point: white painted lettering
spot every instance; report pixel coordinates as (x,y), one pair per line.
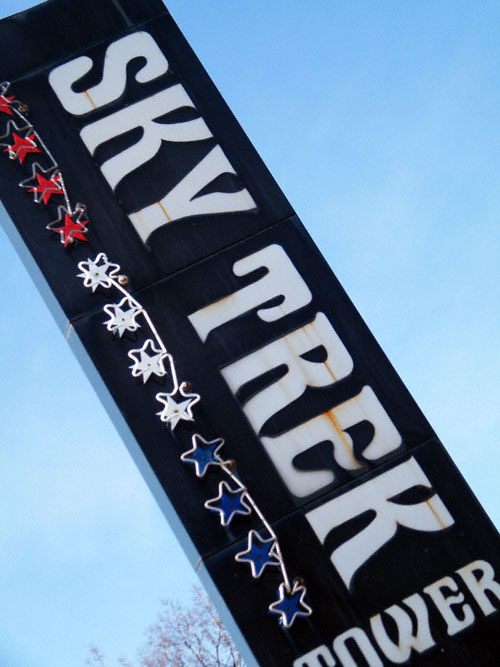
(284,448)
(420,641)
(281,280)
(311,659)
(289,351)
(478,585)
(183,199)
(444,604)
(366,407)
(376,495)
(479,578)
(331,426)
(142,114)
(359,636)
(114,77)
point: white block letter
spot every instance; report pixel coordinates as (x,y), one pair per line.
(142,114)
(282,279)
(288,351)
(420,641)
(444,604)
(114,77)
(376,495)
(183,201)
(478,585)
(364,645)
(332,426)
(311,659)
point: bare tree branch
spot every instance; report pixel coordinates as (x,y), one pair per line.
(182,637)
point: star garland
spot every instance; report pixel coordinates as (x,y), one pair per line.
(23,145)
(21,142)
(233,499)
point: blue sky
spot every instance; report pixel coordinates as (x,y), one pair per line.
(380,122)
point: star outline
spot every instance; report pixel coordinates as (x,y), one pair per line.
(101,278)
(279,606)
(201,468)
(6,103)
(240,557)
(43,191)
(23,145)
(12,127)
(37,168)
(223,495)
(71,230)
(137,368)
(113,326)
(170,404)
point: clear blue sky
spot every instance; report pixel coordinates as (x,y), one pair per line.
(380,122)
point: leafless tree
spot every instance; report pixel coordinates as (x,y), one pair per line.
(183,637)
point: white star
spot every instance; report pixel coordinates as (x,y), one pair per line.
(98,271)
(122,320)
(174,411)
(145,364)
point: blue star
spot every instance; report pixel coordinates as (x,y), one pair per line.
(228,503)
(259,553)
(203,454)
(290,604)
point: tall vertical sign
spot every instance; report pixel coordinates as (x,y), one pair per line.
(294,465)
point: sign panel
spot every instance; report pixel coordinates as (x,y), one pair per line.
(295,466)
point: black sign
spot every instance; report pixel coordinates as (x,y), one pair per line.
(275,434)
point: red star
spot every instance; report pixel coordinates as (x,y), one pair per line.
(22,146)
(5,104)
(47,187)
(71,230)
